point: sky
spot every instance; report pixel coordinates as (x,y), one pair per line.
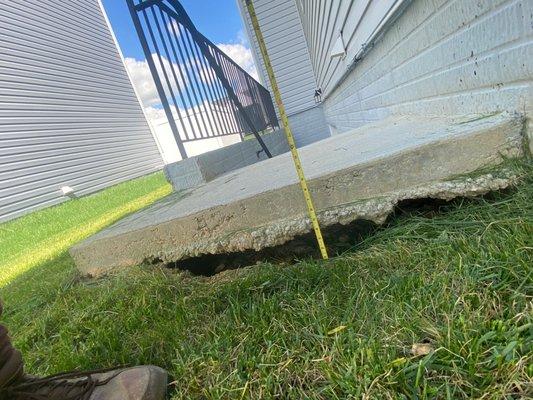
(218,20)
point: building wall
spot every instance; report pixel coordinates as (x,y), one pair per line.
(287,47)
(442,57)
(309,126)
(169,148)
(68,112)
(333,25)
(206,166)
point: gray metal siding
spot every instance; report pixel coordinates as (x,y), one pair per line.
(323,20)
(287,47)
(68,112)
(309,126)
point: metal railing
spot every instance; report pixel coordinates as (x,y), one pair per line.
(204,93)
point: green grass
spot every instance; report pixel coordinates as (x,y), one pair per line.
(42,235)
(459,279)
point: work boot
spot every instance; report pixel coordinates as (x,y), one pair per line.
(11,366)
(136,383)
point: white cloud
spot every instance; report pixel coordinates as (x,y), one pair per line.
(242,55)
(195,120)
(144,83)
(243,38)
(145,86)
(155,115)
(200,69)
(174,27)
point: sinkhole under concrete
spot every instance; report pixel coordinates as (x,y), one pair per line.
(339,239)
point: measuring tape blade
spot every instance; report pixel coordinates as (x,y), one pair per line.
(290,139)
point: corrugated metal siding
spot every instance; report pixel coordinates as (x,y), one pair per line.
(282,29)
(323,20)
(68,112)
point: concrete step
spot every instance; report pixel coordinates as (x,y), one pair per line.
(357,175)
(198,170)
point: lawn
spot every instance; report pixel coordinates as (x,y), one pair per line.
(458,279)
(27,242)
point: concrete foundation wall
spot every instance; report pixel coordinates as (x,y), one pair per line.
(442,57)
(309,126)
(203,168)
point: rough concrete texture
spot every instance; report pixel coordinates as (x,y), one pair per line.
(197,170)
(357,175)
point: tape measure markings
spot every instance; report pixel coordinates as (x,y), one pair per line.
(288,132)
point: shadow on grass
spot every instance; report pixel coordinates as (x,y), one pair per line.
(38,286)
(340,239)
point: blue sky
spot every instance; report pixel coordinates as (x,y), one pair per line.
(219,20)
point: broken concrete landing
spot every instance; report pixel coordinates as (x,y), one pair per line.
(357,175)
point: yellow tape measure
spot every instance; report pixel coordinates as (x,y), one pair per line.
(288,132)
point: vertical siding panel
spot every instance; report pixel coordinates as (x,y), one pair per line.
(285,38)
(68,112)
(282,29)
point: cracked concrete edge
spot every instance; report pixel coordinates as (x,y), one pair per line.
(365,191)
(375,210)
(282,231)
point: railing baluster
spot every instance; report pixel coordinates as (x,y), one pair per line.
(215,96)
(171,65)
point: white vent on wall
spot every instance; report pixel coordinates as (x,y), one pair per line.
(68,191)
(339,49)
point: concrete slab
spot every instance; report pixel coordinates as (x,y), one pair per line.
(356,175)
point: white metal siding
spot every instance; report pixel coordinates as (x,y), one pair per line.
(282,30)
(324,20)
(309,126)
(443,57)
(68,112)
(287,47)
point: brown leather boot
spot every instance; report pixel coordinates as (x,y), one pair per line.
(11,366)
(136,383)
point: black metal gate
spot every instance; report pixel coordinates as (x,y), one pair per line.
(204,92)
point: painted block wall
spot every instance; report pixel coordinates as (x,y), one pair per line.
(442,57)
(197,170)
(309,126)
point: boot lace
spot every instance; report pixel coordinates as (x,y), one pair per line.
(67,386)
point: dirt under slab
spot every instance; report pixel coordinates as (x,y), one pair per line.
(361,174)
